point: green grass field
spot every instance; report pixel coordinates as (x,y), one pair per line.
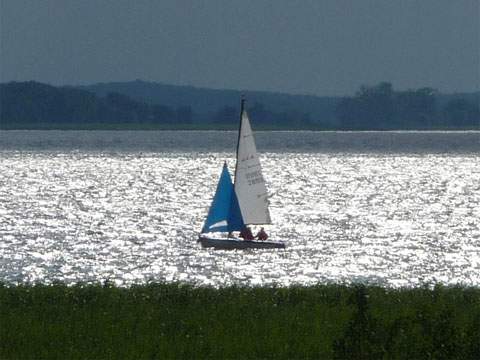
(178,321)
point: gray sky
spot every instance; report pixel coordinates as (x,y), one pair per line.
(317,47)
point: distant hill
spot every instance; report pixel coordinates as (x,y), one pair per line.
(206,102)
(147,105)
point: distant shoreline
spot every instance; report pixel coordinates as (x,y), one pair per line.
(214,127)
(150,106)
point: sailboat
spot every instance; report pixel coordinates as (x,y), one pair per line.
(244,202)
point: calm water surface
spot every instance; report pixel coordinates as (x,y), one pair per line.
(397,209)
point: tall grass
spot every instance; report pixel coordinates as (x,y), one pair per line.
(165,321)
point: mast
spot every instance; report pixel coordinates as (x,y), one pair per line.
(242,108)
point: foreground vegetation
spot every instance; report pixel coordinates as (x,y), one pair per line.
(163,321)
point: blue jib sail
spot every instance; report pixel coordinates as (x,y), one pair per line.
(224,213)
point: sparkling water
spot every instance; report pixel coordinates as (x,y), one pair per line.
(396,208)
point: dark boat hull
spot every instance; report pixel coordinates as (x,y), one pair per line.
(231,244)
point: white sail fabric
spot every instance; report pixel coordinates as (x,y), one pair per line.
(249,183)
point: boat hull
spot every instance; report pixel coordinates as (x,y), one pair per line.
(231,244)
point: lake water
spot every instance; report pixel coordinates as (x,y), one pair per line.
(395,208)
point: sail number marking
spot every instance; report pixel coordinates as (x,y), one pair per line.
(254,177)
(247,157)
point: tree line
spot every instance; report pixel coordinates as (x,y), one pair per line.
(378,107)
(381,108)
(32,102)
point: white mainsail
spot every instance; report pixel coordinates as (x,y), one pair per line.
(249,183)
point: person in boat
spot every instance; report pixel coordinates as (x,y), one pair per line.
(246,233)
(262,235)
